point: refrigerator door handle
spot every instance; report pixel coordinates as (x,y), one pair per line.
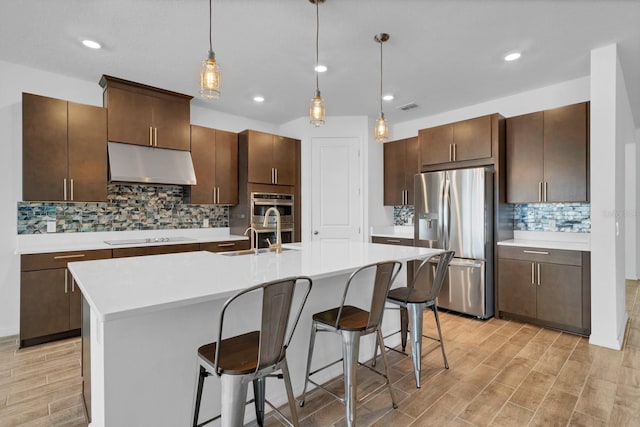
(446,213)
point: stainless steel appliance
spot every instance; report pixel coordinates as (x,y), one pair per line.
(454,211)
(260,203)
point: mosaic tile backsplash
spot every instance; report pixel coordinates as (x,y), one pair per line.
(566,217)
(403,215)
(130,207)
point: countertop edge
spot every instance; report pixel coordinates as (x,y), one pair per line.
(547,244)
(98,245)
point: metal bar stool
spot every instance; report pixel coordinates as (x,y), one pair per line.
(252,356)
(413,299)
(352,323)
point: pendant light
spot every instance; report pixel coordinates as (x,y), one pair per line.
(316,109)
(210,74)
(382,127)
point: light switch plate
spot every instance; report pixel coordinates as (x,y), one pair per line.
(205,223)
(51,226)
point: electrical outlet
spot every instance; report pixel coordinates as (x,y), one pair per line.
(51,226)
(205,223)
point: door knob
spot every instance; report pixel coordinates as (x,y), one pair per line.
(315,232)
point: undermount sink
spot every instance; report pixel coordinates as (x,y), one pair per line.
(252,252)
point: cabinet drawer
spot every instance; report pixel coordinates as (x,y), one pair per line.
(551,256)
(155,250)
(392,241)
(59,259)
(227,245)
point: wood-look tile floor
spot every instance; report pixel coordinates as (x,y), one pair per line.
(501,373)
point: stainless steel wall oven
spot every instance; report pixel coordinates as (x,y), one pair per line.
(260,202)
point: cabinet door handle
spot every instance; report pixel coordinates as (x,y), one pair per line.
(68,256)
(536,252)
(538,274)
(64,188)
(533,274)
(544,193)
(450,152)
(66,280)
(540,191)
(151,136)
(218,195)
(454,152)
(226,245)
(71,186)
(393,241)
(73,284)
(155,136)
(276,175)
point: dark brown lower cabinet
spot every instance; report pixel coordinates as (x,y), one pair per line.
(50,301)
(225,246)
(546,287)
(155,250)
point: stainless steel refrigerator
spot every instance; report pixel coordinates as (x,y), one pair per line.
(454,211)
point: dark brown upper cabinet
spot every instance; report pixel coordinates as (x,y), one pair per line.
(271,159)
(401,163)
(64,150)
(215,160)
(456,142)
(548,156)
(144,115)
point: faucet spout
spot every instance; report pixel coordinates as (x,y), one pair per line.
(253,238)
(274,246)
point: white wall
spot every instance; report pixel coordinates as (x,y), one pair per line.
(565,93)
(611,128)
(15,79)
(334,127)
(631,209)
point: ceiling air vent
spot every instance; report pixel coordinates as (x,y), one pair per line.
(407,107)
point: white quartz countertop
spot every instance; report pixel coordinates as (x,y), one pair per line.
(123,287)
(550,240)
(64,242)
(393,231)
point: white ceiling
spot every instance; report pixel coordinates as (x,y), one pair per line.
(442,54)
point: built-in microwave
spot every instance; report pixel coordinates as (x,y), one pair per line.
(261,202)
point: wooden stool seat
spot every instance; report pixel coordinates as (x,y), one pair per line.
(238,355)
(411,296)
(351,319)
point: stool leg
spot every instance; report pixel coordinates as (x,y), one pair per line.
(415,320)
(404,326)
(444,356)
(202,373)
(350,350)
(380,339)
(259,387)
(290,396)
(312,341)
(234,396)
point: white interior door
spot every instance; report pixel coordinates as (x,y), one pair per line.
(336,211)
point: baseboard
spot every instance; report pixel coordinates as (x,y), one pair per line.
(616,343)
(7,332)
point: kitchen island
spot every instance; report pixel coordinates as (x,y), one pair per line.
(145,317)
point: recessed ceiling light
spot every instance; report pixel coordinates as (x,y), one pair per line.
(321,68)
(512,56)
(388,97)
(258,98)
(91,44)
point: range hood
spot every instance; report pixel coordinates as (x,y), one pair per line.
(137,163)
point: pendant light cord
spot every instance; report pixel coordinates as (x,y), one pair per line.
(210,19)
(317,44)
(381,77)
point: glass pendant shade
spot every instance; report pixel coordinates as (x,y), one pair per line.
(210,78)
(381,129)
(316,110)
